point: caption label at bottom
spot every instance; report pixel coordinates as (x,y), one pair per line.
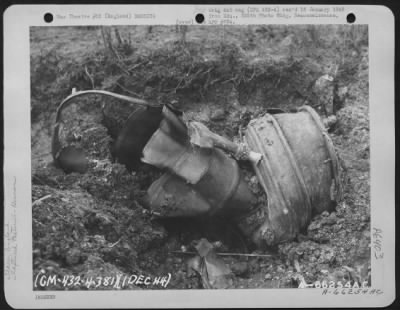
(119,281)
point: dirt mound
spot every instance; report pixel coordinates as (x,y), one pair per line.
(94,223)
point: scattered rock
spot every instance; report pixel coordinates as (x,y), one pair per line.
(240,269)
(73,256)
(218,115)
(325,214)
(324,272)
(203,115)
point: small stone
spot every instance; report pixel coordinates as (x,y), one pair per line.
(73,256)
(342,92)
(240,268)
(314,226)
(217,244)
(299,252)
(254,180)
(330,220)
(218,115)
(203,115)
(365,218)
(325,214)
(339,275)
(36,252)
(178,260)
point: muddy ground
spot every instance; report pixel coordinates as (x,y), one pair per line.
(94,224)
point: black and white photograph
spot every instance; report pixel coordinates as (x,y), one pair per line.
(200,157)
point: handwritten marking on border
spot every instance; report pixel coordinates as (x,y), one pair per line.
(377,237)
(350,291)
(10,236)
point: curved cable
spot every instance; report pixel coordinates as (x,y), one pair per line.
(101,92)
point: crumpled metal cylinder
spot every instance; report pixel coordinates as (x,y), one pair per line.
(201,175)
(299,172)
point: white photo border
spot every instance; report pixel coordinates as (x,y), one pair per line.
(17,165)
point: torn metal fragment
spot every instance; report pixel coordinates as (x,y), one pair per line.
(214,273)
(201,175)
(201,136)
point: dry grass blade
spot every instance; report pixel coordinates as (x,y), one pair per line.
(40,200)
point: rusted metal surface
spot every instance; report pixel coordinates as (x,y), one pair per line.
(201,136)
(170,196)
(223,186)
(174,152)
(299,171)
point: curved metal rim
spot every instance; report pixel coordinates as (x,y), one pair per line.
(293,162)
(275,186)
(329,146)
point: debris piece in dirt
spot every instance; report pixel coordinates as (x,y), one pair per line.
(201,136)
(329,121)
(40,200)
(214,273)
(73,256)
(323,90)
(240,269)
(229,254)
(218,115)
(72,159)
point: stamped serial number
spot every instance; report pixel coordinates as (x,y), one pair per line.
(350,291)
(114,282)
(333,284)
